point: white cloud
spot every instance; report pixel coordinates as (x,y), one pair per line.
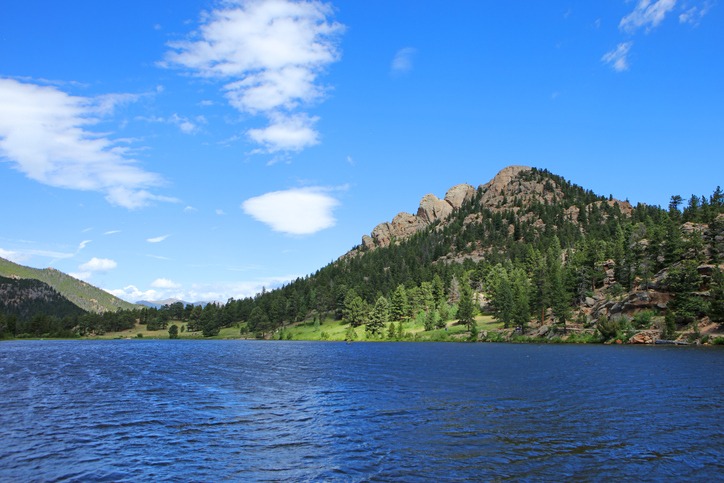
(185,124)
(297,211)
(286,133)
(83,244)
(220,212)
(15,257)
(618,57)
(98,265)
(112,232)
(25,254)
(44,134)
(647,14)
(190,209)
(402,62)
(694,14)
(165,284)
(269,54)
(132,294)
(157,239)
(210,292)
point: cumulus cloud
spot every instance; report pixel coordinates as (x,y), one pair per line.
(157,239)
(98,265)
(44,134)
(618,57)
(648,14)
(269,54)
(132,294)
(297,211)
(402,62)
(286,133)
(209,292)
(165,283)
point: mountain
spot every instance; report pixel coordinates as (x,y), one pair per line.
(157,304)
(27,298)
(80,293)
(538,253)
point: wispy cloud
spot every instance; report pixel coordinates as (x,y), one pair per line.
(185,124)
(297,211)
(112,232)
(44,134)
(618,57)
(648,14)
(13,256)
(23,255)
(157,239)
(402,62)
(269,54)
(692,15)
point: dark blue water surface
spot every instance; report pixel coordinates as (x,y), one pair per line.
(299,411)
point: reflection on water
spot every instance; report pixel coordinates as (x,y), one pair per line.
(290,411)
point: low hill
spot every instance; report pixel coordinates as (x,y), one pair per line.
(25,298)
(82,294)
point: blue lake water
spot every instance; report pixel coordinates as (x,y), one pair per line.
(308,411)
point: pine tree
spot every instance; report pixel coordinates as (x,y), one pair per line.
(378,317)
(399,305)
(466,308)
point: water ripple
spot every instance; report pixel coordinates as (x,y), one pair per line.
(255,411)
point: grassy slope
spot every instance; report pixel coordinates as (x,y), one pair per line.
(328,330)
(82,294)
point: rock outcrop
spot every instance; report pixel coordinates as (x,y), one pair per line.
(510,189)
(431,209)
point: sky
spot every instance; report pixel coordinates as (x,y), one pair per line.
(203,150)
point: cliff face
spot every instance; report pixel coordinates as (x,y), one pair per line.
(510,189)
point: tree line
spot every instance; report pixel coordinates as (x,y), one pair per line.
(536,259)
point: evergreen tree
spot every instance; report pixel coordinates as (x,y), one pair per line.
(716,296)
(683,281)
(355,309)
(399,305)
(378,318)
(466,307)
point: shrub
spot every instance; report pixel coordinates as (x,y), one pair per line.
(642,320)
(608,328)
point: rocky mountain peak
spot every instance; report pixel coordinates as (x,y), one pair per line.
(433,209)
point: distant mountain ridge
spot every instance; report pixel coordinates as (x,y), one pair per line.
(80,293)
(157,304)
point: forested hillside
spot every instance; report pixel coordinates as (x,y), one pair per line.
(82,294)
(545,257)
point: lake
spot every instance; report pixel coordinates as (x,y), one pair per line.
(199,410)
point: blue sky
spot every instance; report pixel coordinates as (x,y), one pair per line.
(205,149)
